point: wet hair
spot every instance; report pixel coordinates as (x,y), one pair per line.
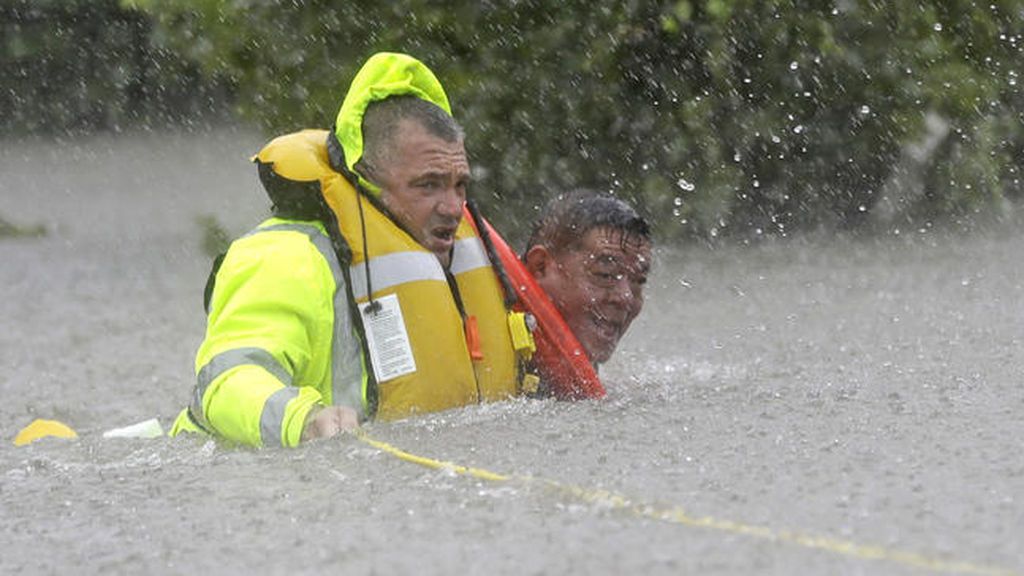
(383,118)
(569,216)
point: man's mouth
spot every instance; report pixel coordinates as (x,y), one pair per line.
(444,235)
(607,328)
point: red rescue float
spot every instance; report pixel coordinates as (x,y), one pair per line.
(560,358)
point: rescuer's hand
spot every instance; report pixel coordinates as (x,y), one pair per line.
(327,421)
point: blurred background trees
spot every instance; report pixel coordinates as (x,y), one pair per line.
(82,65)
(718,118)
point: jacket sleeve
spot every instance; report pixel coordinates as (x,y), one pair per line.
(258,365)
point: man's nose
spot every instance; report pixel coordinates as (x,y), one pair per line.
(621,292)
(450,203)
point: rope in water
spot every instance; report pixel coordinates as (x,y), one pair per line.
(677,515)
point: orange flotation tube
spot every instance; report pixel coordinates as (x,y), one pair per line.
(561,360)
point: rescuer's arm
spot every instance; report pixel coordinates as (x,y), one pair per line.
(267,342)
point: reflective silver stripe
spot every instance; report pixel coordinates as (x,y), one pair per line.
(393,269)
(308,229)
(469,254)
(272,417)
(347,374)
(347,380)
(397,268)
(225,361)
(229,359)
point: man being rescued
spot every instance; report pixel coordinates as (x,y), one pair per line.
(367,295)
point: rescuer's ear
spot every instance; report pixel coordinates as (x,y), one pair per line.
(539,261)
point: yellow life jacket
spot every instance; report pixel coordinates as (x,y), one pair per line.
(446,374)
(446,369)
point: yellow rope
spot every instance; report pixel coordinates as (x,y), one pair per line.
(430,463)
(677,515)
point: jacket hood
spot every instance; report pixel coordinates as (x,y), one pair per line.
(384,75)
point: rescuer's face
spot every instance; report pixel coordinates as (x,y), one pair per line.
(597,285)
(424,187)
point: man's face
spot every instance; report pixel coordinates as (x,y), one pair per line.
(597,286)
(424,187)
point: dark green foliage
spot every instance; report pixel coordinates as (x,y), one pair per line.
(213,238)
(718,118)
(81,65)
(11,230)
(715,117)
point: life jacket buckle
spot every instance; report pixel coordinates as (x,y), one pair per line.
(529,384)
(520,327)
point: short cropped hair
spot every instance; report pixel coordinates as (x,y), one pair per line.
(569,216)
(383,118)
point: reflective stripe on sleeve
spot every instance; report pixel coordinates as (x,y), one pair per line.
(225,361)
(238,357)
(272,417)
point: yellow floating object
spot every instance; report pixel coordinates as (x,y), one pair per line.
(41,429)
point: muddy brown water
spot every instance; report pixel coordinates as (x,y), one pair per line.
(869,392)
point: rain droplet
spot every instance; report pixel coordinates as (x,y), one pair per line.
(687,186)
(798,129)
(937,27)
(678,201)
(793,65)
(865,109)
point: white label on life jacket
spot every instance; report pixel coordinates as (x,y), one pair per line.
(390,352)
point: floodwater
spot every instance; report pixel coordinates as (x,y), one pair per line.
(792,408)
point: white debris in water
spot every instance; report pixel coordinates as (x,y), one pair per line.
(146,429)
